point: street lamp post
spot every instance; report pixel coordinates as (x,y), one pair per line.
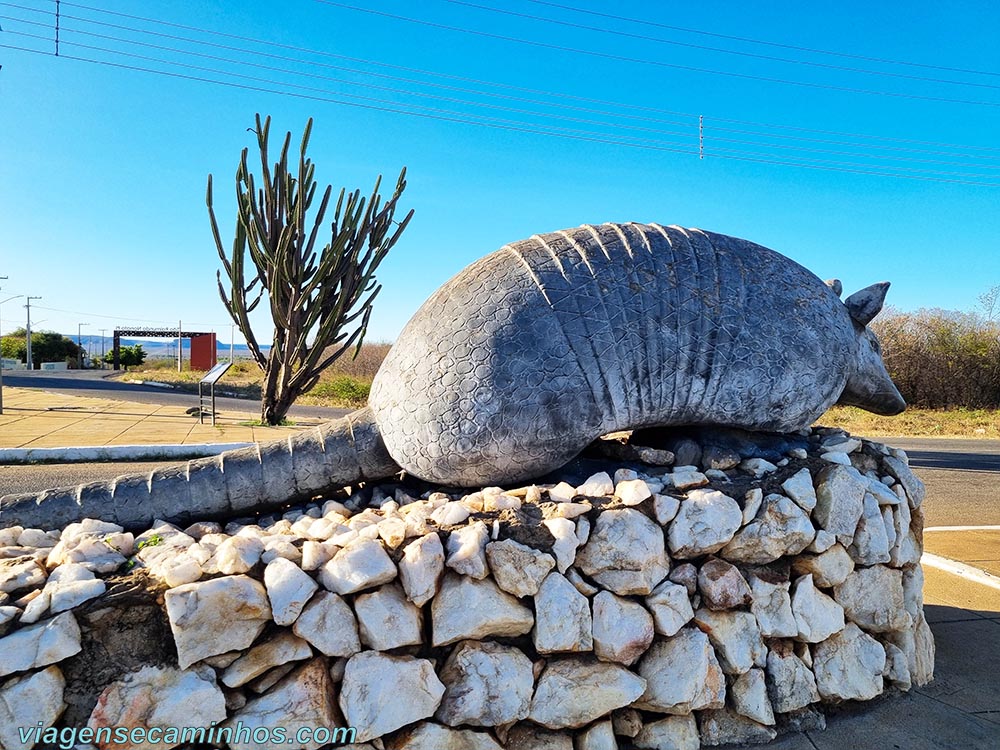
(31,365)
(79,346)
(1,363)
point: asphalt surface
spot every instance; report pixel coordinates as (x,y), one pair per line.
(98,384)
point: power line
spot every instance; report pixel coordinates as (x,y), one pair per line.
(449,76)
(479,104)
(780,45)
(656,63)
(465,118)
(706,48)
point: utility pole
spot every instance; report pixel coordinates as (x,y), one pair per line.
(1,355)
(103,331)
(28,306)
(79,346)
(180,347)
(232,337)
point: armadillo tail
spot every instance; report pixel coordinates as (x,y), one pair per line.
(343,451)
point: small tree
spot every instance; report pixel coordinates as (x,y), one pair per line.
(131,356)
(320,298)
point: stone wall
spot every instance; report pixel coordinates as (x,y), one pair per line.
(648,605)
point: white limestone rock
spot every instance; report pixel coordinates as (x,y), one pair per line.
(562,493)
(670,606)
(451,514)
(31,701)
(473,609)
(625,553)
(238,554)
(828,569)
(381,693)
(800,488)
(581,585)
(682,675)
(665,508)
(823,541)
(100,546)
(671,733)
(752,500)
(899,468)
(781,528)
(516,568)
(772,606)
(687,478)
(749,694)
(68,586)
(632,491)
(849,665)
(282,649)
(840,493)
(705,523)
(726,727)
(304,699)
(897,668)
(566,541)
(216,616)
(599,736)
(722,586)
(486,685)
(160,697)
(289,588)
(575,691)
(22,572)
(563,621)
(873,598)
(328,623)
(836,457)
(816,614)
(466,550)
(871,543)
(421,568)
(598,485)
(623,629)
(529,737)
(39,645)
(791,684)
(736,637)
(757,466)
(387,619)
(430,736)
(363,565)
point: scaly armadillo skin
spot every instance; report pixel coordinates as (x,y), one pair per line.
(526,356)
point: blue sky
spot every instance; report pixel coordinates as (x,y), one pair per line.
(104,169)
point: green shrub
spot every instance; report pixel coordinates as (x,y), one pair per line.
(343,388)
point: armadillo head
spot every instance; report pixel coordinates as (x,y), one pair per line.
(869,385)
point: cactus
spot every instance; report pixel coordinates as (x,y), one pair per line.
(324,293)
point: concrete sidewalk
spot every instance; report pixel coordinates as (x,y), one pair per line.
(34,418)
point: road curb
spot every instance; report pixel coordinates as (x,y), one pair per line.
(114,453)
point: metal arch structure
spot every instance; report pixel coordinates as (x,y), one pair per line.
(149,333)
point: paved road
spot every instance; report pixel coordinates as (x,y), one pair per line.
(97,384)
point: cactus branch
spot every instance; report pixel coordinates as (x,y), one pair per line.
(320,297)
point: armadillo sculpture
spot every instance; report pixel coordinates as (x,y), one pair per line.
(513,366)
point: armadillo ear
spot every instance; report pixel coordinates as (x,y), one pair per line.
(867,303)
(835,285)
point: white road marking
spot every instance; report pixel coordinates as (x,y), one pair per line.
(961,569)
(962,528)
